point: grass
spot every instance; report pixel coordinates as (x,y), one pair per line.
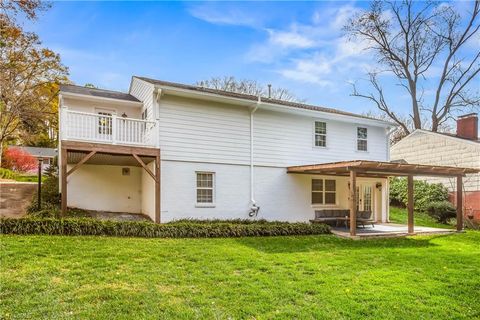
(399,215)
(305,277)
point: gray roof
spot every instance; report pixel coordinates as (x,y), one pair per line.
(255,98)
(37,151)
(94,92)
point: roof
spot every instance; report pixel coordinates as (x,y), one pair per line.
(101,93)
(37,151)
(452,135)
(442,134)
(256,98)
(369,168)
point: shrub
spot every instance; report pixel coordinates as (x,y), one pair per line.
(424,193)
(86,226)
(19,160)
(7,174)
(442,211)
(50,193)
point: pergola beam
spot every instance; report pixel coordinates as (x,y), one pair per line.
(353,203)
(459,203)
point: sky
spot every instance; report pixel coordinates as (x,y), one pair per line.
(295,45)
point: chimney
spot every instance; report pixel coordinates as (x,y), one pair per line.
(467,126)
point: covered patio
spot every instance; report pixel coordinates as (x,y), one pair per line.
(379,169)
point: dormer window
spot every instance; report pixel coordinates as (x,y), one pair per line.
(362,134)
(320,134)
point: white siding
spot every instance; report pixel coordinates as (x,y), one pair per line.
(285,140)
(143,91)
(436,149)
(204,132)
(210,132)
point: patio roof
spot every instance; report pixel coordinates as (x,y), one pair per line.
(367,168)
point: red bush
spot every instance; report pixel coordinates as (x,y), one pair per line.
(18,160)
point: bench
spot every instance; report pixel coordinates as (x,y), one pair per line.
(342,215)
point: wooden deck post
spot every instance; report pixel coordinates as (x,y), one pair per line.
(459,203)
(63,183)
(410,204)
(157,189)
(353,203)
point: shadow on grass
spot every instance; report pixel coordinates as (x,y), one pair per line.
(329,243)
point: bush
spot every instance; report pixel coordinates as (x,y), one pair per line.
(19,160)
(7,174)
(424,193)
(86,226)
(442,211)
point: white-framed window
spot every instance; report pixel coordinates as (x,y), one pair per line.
(324,191)
(205,188)
(320,135)
(362,135)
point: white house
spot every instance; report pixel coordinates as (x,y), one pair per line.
(461,149)
(173,151)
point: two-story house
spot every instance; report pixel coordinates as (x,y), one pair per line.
(173,151)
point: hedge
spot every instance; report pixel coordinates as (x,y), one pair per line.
(424,193)
(92,227)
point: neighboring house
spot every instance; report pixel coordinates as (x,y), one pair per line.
(46,154)
(460,150)
(174,151)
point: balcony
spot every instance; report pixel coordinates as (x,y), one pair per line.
(108,129)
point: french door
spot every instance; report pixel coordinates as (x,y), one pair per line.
(105,124)
(365,197)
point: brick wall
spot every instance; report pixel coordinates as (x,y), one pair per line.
(471,203)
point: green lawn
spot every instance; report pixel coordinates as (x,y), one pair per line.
(308,277)
(399,215)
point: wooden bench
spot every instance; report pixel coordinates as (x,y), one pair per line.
(342,215)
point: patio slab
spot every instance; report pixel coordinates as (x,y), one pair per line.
(388,230)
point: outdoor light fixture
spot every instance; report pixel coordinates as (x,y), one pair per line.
(378,186)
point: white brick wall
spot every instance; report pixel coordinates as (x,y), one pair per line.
(436,149)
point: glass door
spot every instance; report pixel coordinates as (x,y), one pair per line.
(364,197)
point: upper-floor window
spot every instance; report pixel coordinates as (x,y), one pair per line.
(205,188)
(323,191)
(320,134)
(362,134)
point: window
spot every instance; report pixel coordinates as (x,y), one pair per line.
(320,134)
(323,191)
(205,185)
(362,139)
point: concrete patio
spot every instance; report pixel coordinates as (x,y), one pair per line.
(388,230)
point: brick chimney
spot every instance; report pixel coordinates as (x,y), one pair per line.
(467,126)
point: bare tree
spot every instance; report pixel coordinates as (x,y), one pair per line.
(409,39)
(245,86)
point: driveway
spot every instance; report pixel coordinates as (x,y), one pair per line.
(15,197)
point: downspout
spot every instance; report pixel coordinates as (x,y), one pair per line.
(254,208)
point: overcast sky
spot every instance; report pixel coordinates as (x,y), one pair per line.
(296,45)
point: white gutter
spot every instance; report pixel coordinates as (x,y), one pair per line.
(252,181)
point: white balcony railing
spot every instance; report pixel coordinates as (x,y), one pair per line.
(84,126)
